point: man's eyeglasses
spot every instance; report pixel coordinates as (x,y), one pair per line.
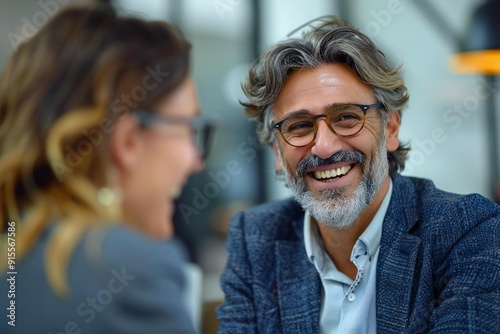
(344,120)
(201,129)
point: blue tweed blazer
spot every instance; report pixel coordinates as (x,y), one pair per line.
(438,269)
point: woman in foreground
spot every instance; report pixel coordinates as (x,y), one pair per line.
(98,130)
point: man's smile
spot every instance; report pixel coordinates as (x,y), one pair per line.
(331,174)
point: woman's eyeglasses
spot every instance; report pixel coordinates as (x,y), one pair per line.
(201,129)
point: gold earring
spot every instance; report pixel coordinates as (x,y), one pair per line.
(111,199)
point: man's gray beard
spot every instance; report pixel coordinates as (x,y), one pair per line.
(336,209)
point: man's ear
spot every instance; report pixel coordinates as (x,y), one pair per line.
(392,131)
(125,144)
(279,167)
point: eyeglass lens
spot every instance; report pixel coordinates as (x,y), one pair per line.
(203,138)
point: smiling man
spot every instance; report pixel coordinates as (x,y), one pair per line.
(360,248)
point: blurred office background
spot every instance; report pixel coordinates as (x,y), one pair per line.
(446,122)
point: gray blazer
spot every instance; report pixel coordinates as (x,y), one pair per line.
(438,269)
(120,281)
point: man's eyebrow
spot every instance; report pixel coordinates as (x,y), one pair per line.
(336,104)
(300,112)
(304,112)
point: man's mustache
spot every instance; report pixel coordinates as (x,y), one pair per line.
(313,161)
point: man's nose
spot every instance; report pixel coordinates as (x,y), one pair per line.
(326,142)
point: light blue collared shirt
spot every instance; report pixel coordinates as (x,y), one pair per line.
(348,306)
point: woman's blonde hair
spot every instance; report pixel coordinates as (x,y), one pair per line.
(60,95)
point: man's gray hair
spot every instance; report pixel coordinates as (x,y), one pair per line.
(334,41)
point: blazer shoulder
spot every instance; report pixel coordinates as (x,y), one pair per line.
(441,212)
(438,203)
(431,201)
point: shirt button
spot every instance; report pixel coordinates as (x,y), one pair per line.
(351,297)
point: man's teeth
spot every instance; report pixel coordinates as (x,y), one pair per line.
(327,174)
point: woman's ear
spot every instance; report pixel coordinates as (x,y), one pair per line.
(125,143)
(392,131)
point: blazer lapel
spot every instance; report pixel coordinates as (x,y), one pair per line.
(396,264)
(299,287)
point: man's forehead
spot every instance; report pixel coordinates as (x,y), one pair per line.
(318,88)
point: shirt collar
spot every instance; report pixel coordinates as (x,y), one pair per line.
(309,236)
(371,236)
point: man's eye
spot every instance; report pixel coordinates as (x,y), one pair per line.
(300,126)
(346,117)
